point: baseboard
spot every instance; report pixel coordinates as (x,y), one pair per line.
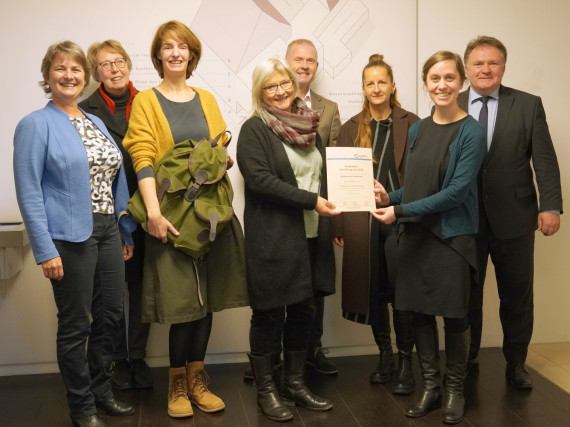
(162,361)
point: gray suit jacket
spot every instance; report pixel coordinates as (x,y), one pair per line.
(521,137)
(329,125)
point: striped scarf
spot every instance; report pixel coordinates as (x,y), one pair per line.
(297,128)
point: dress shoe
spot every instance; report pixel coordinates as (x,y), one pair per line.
(113,406)
(317,359)
(89,421)
(142,377)
(518,377)
(121,375)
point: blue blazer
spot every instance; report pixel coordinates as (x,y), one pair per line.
(51,172)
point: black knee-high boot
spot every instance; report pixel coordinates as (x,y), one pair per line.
(427,345)
(404,383)
(268,398)
(381,331)
(295,391)
(457,353)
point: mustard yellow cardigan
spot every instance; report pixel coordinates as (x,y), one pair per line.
(149,136)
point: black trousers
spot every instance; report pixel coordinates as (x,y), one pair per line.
(513,260)
(131,344)
(317,326)
(289,324)
(92,286)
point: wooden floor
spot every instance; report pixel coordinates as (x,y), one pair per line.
(39,400)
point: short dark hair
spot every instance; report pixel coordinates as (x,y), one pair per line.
(485,41)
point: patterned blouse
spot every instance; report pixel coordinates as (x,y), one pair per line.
(104,164)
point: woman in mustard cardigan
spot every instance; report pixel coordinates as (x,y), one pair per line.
(176,287)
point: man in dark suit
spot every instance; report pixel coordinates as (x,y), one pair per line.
(510,212)
(301,56)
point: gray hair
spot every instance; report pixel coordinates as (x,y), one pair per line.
(263,72)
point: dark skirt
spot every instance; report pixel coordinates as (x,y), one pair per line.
(376,287)
(431,277)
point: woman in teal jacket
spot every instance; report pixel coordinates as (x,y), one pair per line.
(437,215)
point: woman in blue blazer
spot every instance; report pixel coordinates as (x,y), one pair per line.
(72,191)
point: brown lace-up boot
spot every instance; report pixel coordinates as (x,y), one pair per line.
(178,403)
(198,390)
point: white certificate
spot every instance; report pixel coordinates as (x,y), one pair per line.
(350,178)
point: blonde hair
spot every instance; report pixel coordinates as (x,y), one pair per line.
(262,72)
(65,48)
(112,45)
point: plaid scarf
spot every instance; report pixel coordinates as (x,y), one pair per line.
(297,128)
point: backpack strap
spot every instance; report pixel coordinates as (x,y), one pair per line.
(192,192)
(214,141)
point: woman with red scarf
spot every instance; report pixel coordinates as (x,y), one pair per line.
(111,102)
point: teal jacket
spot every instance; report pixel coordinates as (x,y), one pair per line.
(456,202)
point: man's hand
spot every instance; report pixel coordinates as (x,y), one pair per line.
(548,223)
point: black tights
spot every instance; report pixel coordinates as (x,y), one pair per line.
(187,342)
(452,325)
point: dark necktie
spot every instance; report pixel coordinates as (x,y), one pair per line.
(484,114)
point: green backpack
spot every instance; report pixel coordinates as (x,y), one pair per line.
(194,192)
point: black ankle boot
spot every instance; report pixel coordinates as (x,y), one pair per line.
(427,344)
(295,392)
(268,398)
(404,383)
(457,353)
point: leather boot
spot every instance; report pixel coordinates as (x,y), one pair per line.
(295,391)
(427,344)
(276,360)
(178,404)
(198,390)
(457,353)
(381,331)
(404,383)
(268,398)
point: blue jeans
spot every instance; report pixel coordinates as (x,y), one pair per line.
(92,288)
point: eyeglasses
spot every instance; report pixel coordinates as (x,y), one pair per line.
(119,63)
(285,85)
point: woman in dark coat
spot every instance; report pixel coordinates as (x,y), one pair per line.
(366,289)
(111,102)
(438,218)
(289,252)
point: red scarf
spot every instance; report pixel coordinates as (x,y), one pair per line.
(111,104)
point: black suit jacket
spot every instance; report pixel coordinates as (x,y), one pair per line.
(507,187)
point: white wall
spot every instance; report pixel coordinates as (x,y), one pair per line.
(406,31)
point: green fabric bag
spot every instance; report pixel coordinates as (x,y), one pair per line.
(194,192)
